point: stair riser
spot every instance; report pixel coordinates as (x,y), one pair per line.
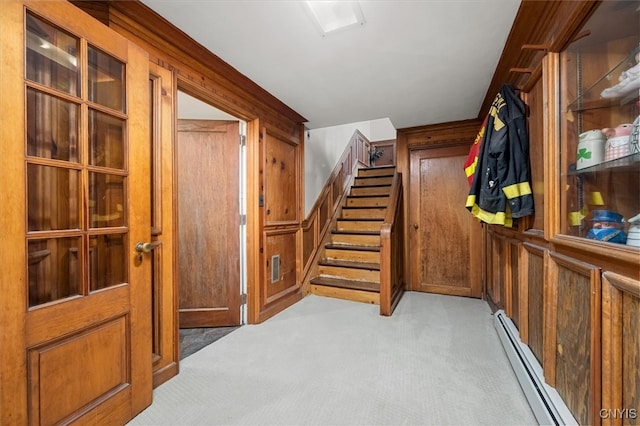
(376,172)
(349,273)
(356,240)
(368,202)
(376,213)
(370,190)
(383,180)
(353,255)
(358,226)
(346,294)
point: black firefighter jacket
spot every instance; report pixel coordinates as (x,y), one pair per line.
(500,189)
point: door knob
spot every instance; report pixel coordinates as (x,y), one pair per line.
(415,226)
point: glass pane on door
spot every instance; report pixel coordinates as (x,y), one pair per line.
(52,127)
(106,140)
(107,261)
(52,198)
(106,80)
(106,200)
(52,56)
(54,269)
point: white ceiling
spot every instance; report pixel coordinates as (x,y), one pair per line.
(415,62)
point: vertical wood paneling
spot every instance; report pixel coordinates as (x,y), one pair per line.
(282,177)
(513,307)
(163,227)
(631,355)
(497,273)
(280,243)
(535,103)
(620,349)
(573,357)
(572,345)
(551,151)
(535,299)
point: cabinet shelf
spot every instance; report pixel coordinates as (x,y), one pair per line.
(628,163)
(608,91)
(599,85)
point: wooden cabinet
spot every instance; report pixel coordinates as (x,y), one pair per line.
(599,123)
(573,293)
(572,335)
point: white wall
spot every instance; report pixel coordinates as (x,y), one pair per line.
(324,146)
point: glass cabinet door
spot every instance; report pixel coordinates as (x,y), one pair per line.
(600,155)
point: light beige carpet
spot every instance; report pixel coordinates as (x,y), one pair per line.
(436,361)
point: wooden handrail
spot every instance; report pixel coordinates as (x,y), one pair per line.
(391,247)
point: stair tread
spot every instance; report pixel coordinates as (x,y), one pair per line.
(352,232)
(349,264)
(363,207)
(378,185)
(352,247)
(374,176)
(348,284)
(356,219)
(377,167)
(368,196)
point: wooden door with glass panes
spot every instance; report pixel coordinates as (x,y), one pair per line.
(74,201)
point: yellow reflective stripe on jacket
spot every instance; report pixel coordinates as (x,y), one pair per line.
(471,168)
(517,190)
(500,218)
(471,201)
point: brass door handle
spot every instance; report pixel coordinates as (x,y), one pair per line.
(146,247)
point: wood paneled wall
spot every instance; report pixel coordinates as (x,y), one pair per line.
(281,170)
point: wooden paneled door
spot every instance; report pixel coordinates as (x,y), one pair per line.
(75,297)
(445,241)
(208,223)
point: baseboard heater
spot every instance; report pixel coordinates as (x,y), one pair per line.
(545,402)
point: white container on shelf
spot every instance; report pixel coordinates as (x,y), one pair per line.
(633,236)
(590,149)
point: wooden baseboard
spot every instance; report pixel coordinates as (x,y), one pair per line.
(163,374)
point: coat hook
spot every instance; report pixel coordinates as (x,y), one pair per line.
(522,70)
(544,47)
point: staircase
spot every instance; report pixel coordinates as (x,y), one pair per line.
(349,266)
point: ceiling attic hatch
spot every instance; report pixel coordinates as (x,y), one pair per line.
(334,16)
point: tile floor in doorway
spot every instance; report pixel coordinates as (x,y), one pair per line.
(194,339)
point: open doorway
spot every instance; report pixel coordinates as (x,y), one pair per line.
(210,205)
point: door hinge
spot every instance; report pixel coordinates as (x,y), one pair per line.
(243,219)
(243,299)
(243,140)
(260,200)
